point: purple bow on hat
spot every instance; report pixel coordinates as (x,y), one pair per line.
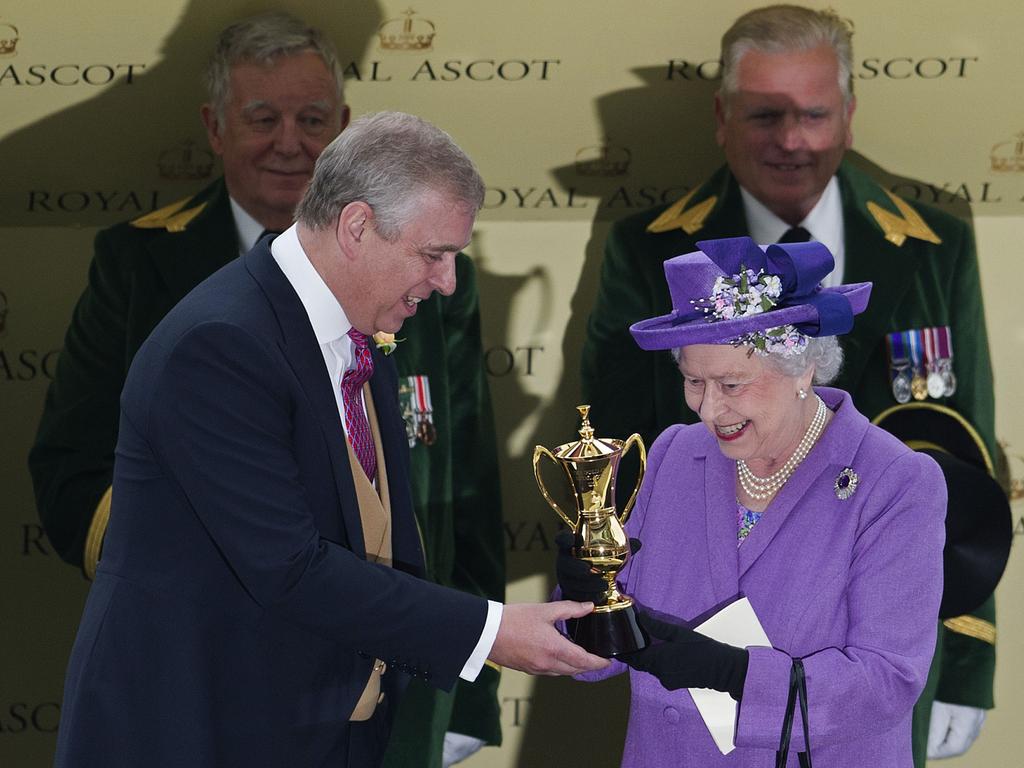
(800,266)
(732,291)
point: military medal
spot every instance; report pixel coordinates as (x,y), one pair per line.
(417,410)
(936,384)
(901,386)
(899,367)
(945,360)
(406,390)
(918,382)
(425,430)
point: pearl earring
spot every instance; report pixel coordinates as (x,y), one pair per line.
(802,394)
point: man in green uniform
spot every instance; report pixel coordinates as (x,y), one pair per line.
(276,101)
(783,118)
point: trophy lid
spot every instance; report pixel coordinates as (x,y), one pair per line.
(589,446)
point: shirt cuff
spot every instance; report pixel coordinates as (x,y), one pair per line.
(478,658)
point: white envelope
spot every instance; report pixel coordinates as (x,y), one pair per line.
(736,624)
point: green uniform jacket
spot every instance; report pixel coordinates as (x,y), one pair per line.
(140,270)
(917,284)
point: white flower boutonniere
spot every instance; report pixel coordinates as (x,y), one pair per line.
(386,342)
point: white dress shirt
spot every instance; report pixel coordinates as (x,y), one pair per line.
(331,326)
(246,227)
(824,222)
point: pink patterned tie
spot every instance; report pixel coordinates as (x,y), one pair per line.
(356,425)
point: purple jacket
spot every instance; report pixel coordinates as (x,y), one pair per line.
(850,586)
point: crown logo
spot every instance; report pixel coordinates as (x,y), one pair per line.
(409,34)
(1008,156)
(3,313)
(185,161)
(9,37)
(603,160)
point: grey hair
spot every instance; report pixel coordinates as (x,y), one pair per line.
(261,39)
(388,160)
(782,28)
(823,352)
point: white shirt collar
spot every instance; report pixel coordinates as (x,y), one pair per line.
(325,313)
(246,227)
(824,222)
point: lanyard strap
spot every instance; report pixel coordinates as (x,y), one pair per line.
(797,690)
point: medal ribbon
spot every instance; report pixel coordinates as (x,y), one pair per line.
(913,342)
(423,404)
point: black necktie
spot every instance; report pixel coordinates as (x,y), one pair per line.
(795,235)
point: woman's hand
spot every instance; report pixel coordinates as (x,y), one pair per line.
(575,577)
(688,659)
(577,580)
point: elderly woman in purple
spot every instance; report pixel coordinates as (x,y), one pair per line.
(786,495)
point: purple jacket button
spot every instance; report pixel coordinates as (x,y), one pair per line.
(671,714)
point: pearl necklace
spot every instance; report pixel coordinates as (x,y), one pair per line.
(761,488)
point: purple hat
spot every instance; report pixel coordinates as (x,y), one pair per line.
(733,292)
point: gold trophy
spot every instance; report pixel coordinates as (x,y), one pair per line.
(591,465)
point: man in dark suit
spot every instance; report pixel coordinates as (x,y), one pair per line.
(783,118)
(258,589)
(275,101)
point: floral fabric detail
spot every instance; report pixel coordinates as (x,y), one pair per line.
(745,522)
(750,293)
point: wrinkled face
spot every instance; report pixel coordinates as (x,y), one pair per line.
(277,120)
(751,409)
(785,129)
(399,273)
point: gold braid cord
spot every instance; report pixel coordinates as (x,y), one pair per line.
(94,539)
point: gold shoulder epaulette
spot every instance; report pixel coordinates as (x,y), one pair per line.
(170,217)
(979,629)
(898,228)
(679,216)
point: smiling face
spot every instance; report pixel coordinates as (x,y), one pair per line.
(752,409)
(785,129)
(277,120)
(394,276)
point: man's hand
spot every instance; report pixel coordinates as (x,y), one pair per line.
(953,729)
(528,641)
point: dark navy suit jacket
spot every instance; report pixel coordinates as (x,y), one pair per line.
(234,619)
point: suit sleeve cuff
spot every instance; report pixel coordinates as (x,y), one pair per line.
(478,658)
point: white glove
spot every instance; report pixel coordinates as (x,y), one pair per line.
(458,746)
(953,729)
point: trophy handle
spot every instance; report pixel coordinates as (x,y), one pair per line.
(632,440)
(538,452)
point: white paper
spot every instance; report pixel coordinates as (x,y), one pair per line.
(736,624)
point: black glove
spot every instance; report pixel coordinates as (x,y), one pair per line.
(688,659)
(576,578)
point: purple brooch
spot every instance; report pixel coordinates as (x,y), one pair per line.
(846,484)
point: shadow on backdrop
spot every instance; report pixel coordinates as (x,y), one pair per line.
(132,147)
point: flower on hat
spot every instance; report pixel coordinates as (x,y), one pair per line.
(386,342)
(750,293)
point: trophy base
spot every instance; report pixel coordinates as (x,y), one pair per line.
(608,633)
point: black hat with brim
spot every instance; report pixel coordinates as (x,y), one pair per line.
(979,526)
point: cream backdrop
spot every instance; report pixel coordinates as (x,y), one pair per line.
(577,112)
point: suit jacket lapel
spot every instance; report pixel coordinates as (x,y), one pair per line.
(727,219)
(185,259)
(299,346)
(871,258)
(405,538)
(720,525)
